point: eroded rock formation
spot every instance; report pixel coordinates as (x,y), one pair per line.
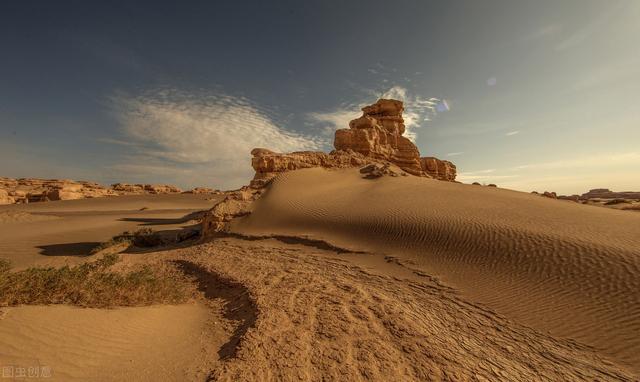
(373,142)
(605,193)
(30,190)
(140,189)
(375,137)
(268,164)
(438,169)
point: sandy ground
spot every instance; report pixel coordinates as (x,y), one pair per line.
(389,279)
(557,266)
(61,232)
(142,343)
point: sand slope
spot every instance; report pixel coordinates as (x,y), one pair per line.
(142,344)
(554,265)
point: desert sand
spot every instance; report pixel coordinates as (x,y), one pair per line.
(401,278)
(557,266)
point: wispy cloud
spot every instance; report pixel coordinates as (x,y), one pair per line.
(455,154)
(418,109)
(510,133)
(177,131)
(336,119)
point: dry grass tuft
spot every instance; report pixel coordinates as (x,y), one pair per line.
(635,207)
(94,284)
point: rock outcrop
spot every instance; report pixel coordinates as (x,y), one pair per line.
(235,204)
(5,198)
(203,190)
(30,190)
(375,137)
(438,169)
(268,164)
(605,193)
(141,189)
(378,134)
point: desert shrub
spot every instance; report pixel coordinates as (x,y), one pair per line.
(635,207)
(94,284)
(5,266)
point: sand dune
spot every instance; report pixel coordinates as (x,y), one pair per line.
(142,344)
(364,283)
(556,266)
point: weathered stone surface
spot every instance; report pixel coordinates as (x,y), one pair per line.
(235,204)
(438,169)
(30,190)
(5,198)
(203,190)
(378,134)
(268,164)
(375,137)
(140,189)
(605,193)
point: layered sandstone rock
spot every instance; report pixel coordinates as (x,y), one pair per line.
(268,164)
(235,204)
(5,198)
(202,190)
(375,137)
(30,190)
(438,169)
(141,189)
(378,134)
(605,193)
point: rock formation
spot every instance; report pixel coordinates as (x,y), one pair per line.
(203,190)
(373,142)
(30,190)
(140,189)
(605,193)
(378,134)
(375,137)
(235,204)
(438,169)
(268,163)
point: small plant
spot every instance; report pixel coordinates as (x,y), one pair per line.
(5,266)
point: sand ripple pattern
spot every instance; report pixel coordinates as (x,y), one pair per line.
(321,317)
(554,265)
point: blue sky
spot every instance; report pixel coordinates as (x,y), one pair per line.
(543,95)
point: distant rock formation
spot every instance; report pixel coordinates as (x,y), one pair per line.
(140,189)
(375,137)
(30,190)
(605,193)
(203,190)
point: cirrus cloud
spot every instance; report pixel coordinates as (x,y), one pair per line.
(198,137)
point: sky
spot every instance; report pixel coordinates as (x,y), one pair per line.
(541,95)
